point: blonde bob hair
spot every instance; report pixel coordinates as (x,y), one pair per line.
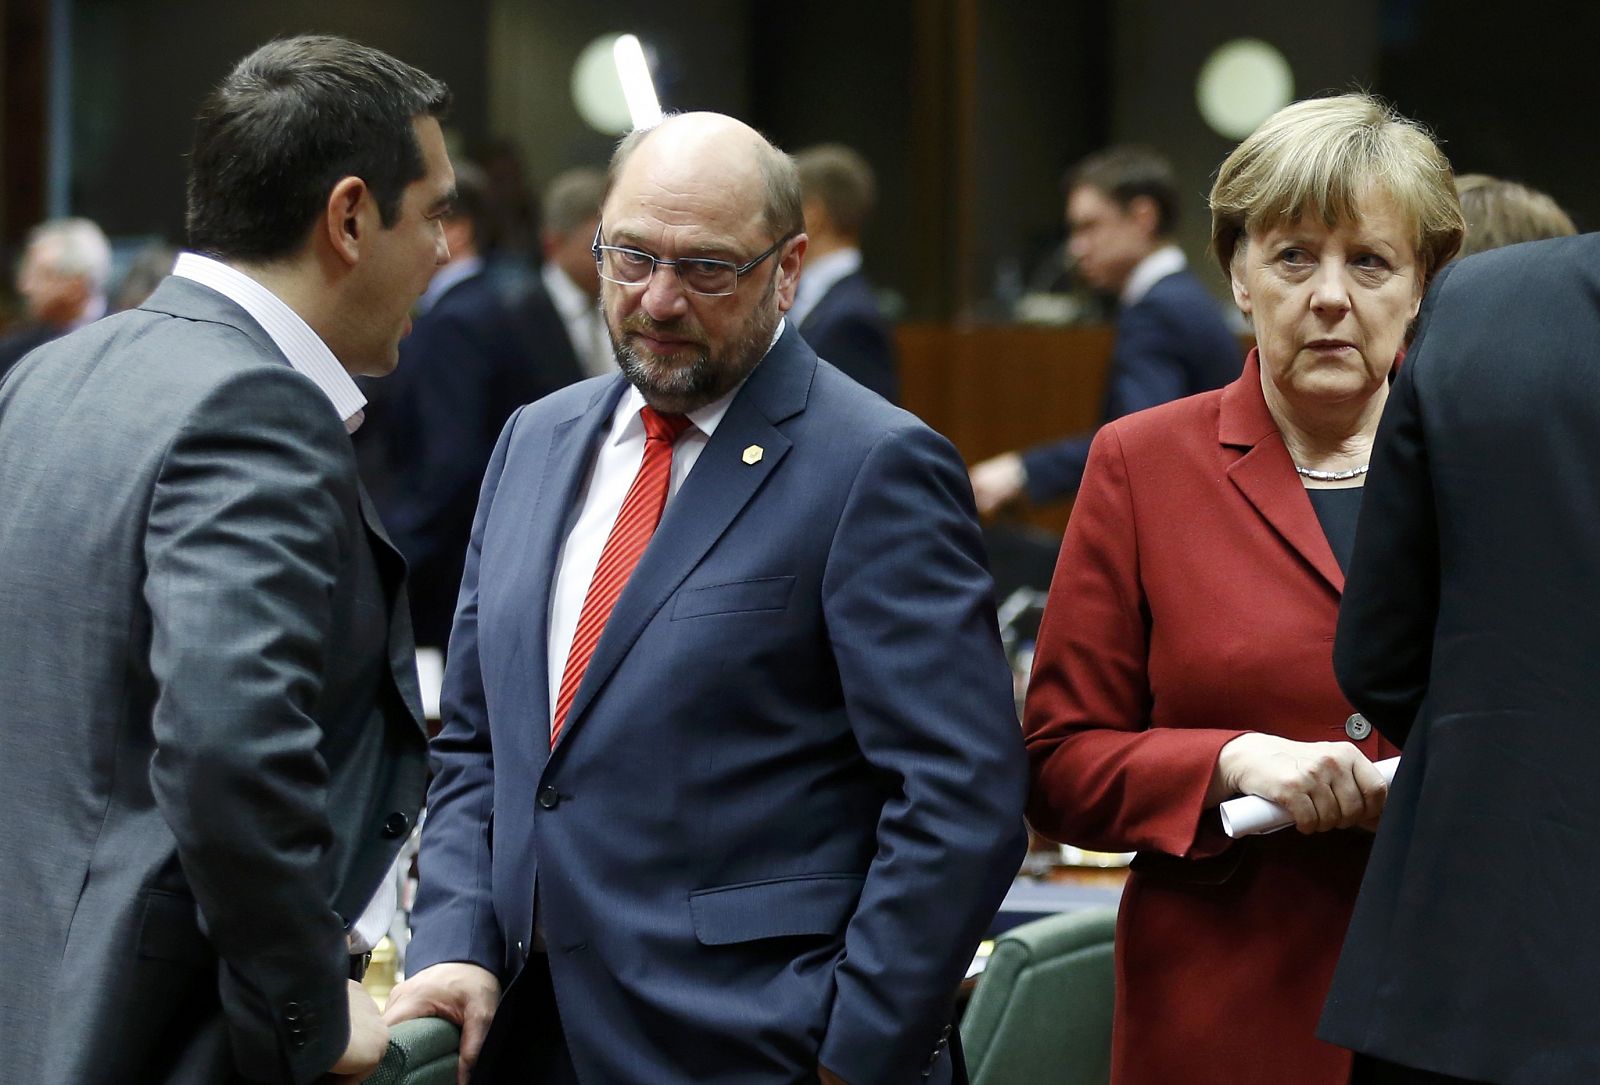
(1321,157)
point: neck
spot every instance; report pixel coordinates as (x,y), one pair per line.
(1327,436)
(303,287)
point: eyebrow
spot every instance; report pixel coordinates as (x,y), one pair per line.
(727,252)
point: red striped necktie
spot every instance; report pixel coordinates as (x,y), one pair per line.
(636,522)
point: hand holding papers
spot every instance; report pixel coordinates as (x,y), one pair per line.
(1250,815)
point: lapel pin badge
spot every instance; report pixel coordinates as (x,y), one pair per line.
(753,454)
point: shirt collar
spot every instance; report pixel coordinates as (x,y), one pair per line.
(301,346)
(564,293)
(445,278)
(1167,260)
(820,276)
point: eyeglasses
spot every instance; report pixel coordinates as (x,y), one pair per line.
(711,278)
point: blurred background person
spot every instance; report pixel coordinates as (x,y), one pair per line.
(430,427)
(835,307)
(1502,212)
(560,313)
(1185,652)
(1172,339)
(62,282)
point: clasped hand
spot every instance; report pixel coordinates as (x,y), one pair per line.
(1323,785)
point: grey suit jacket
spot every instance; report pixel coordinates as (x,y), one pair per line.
(213,746)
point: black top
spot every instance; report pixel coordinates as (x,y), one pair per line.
(1338,509)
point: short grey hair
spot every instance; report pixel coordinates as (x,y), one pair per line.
(73,246)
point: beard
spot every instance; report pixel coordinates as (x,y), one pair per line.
(698,372)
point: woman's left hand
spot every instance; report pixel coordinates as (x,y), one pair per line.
(1324,785)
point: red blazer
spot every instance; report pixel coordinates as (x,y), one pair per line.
(1195,599)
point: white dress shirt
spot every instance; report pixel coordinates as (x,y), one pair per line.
(1167,260)
(585,326)
(445,278)
(309,355)
(614,469)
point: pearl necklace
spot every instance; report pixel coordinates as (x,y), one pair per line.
(1330,476)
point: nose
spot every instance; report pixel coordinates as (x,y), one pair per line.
(441,249)
(663,297)
(1330,290)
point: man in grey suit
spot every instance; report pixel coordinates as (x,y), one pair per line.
(213,743)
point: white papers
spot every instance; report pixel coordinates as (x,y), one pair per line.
(1251,815)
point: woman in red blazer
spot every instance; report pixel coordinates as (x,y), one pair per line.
(1185,654)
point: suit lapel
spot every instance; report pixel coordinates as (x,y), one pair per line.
(721,485)
(1265,474)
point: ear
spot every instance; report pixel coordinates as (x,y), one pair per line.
(1236,278)
(350,214)
(1144,211)
(789,271)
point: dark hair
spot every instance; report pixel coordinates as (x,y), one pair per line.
(286,125)
(471,201)
(1124,174)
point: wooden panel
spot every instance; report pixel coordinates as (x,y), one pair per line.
(991,389)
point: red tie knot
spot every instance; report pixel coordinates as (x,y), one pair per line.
(663,427)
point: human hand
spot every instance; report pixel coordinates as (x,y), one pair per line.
(997,481)
(369,1037)
(1323,785)
(457,991)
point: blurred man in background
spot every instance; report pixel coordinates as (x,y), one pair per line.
(62,281)
(1172,340)
(834,306)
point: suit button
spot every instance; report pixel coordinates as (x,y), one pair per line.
(549,797)
(1357,727)
(396,825)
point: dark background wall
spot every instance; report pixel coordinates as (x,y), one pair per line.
(142,66)
(969,109)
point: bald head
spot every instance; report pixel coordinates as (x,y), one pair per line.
(715,157)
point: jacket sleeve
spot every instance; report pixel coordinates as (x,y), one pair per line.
(248,529)
(908,605)
(1102,777)
(1383,651)
(453,919)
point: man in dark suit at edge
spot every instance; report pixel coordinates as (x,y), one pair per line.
(215,747)
(1467,635)
(732,799)
(1172,340)
(834,306)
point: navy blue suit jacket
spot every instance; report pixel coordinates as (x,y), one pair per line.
(788,795)
(847,328)
(1171,343)
(470,360)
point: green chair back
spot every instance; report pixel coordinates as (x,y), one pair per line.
(421,1052)
(1041,1012)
